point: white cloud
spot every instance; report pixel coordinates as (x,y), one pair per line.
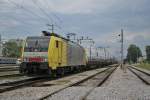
(105,19)
(66,6)
(8,23)
(130,36)
(73,6)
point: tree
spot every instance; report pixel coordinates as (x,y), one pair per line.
(148,53)
(11,50)
(134,53)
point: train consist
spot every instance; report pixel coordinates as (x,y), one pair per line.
(52,53)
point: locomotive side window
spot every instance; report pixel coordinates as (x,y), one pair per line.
(57,44)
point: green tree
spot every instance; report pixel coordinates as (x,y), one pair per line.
(134,53)
(11,50)
(148,53)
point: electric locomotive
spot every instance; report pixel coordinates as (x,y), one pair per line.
(51,53)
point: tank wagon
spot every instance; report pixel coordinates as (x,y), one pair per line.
(95,62)
(51,54)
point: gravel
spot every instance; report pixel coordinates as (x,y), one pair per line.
(143,75)
(71,93)
(147,71)
(12,79)
(30,93)
(121,86)
(34,93)
(9,73)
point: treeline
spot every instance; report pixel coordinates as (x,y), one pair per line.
(11,49)
(148,53)
(134,54)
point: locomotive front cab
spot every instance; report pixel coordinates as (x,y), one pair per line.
(35,55)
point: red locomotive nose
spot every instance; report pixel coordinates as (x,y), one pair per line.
(36,59)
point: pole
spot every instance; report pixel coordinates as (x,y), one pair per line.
(52,28)
(137,55)
(105,52)
(90,53)
(122,46)
(0,45)
(0,39)
(97,52)
(122,38)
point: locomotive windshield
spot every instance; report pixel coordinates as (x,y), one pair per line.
(37,44)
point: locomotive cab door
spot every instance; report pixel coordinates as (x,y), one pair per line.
(59,51)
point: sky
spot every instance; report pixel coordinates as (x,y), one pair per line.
(101,20)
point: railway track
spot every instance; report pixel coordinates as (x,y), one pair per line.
(4,87)
(144,76)
(9,69)
(96,80)
(3,65)
(141,70)
(54,85)
(4,68)
(11,75)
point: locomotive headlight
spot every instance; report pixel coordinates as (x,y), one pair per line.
(25,59)
(45,59)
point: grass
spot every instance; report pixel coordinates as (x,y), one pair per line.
(144,65)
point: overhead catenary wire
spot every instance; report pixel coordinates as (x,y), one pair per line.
(47,19)
(27,10)
(21,5)
(43,11)
(55,16)
(21,21)
(46,14)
